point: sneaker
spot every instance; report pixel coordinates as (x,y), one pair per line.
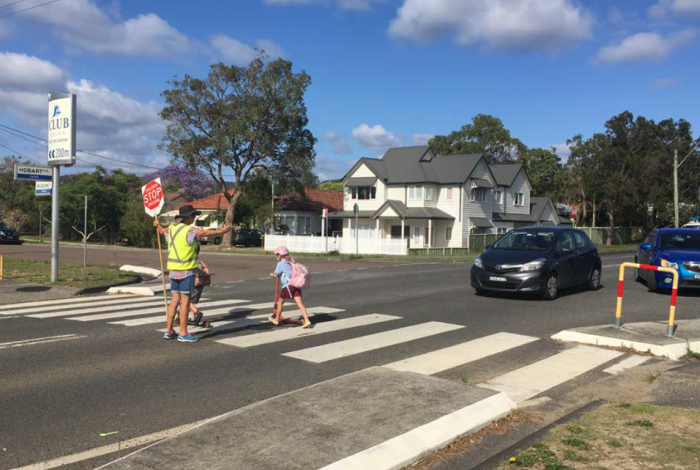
(172,335)
(273,319)
(197,318)
(187,339)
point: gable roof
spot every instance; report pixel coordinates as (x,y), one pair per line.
(506,173)
(537,207)
(316,199)
(210,203)
(412,212)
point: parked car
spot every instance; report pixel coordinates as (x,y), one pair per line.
(541,260)
(675,248)
(248,237)
(8,235)
(692,225)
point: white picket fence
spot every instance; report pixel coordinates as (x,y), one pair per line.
(310,244)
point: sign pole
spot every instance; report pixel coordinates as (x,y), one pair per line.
(153,202)
(54,222)
(85,235)
(162,270)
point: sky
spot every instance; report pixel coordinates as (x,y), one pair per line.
(384,73)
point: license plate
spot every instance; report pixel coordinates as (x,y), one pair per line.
(497,279)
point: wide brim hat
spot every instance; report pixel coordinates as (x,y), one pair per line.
(187,211)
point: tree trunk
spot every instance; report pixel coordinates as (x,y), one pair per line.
(594,211)
(230,212)
(611,215)
(584,212)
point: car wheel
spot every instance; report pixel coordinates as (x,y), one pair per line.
(217,241)
(551,288)
(594,281)
(652,286)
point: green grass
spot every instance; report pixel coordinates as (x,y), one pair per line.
(70,275)
(609,249)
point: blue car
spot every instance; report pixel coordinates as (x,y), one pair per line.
(675,248)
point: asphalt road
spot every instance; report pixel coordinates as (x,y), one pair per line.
(57,397)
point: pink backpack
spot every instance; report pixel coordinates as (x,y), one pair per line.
(301,279)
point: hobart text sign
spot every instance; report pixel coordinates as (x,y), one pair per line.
(62,129)
(32,173)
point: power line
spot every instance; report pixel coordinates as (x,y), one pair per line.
(19,153)
(12,3)
(29,8)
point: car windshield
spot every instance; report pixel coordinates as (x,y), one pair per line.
(679,241)
(526,240)
(4,227)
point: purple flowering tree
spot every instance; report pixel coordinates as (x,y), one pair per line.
(193,184)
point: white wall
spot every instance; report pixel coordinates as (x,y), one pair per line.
(476,209)
(368,204)
(521,184)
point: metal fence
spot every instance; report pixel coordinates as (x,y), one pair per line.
(620,235)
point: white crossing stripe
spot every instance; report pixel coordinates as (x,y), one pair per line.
(349,347)
(318,328)
(207,313)
(50,313)
(13,309)
(628,363)
(48,339)
(135,313)
(530,381)
(448,358)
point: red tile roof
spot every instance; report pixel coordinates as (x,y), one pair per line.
(210,203)
(316,199)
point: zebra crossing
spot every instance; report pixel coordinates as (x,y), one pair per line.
(235,316)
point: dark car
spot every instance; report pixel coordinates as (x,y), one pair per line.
(8,235)
(248,237)
(675,248)
(541,260)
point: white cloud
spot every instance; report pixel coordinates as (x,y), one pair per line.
(238,53)
(331,168)
(5,29)
(82,25)
(356,5)
(516,25)
(563,151)
(678,7)
(375,138)
(648,46)
(109,123)
(340,143)
(421,139)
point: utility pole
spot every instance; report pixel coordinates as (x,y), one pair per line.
(41,218)
(85,234)
(675,186)
(55,229)
(272,224)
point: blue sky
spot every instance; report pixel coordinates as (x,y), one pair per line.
(384,72)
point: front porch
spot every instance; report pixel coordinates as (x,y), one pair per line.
(418,233)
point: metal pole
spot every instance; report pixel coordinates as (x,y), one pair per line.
(675,185)
(40,219)
(54,222)
(85,234)
(357,240)
(272,225)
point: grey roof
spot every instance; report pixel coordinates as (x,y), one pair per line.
(350,214)
(505,174)
(537,206)
(501,217)
(364,181)
(413,212)
(480,222)
(565,221)
(480,183)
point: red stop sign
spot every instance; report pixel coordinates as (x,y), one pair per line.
(152,195)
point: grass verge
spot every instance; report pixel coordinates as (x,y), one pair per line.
(622,436)
(70,275)
(610,249)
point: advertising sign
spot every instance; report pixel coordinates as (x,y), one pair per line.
(32,173)
(62,129)
(153,200)
(43,188)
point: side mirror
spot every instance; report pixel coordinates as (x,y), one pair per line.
(645,246)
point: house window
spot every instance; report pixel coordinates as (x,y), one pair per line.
(201,223)
(448,233)
(498,197)
(430,193)
(364,192)
(502,230)
(415,193)
(519,199)
(303,225)
(478,195)
(449,193)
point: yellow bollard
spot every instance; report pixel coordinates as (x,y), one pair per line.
(2,267)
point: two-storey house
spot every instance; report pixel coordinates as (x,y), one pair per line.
(437,200)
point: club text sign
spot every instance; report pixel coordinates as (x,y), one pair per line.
(43,188)
(62,129)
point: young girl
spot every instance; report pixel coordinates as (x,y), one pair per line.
(283,271)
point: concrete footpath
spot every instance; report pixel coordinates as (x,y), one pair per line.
(376,418)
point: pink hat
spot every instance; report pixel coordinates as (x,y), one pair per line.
(281,251)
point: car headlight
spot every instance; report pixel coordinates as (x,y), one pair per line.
(477,262)
(533,265)
(669,264)
(2,234)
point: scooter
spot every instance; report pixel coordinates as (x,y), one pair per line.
(280,319)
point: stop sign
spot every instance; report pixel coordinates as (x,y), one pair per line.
(153,197)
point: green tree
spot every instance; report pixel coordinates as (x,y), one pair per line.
(332,186)
(136,225)
(544,170)
(241,118)
(486,135)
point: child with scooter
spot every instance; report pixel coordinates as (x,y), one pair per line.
(284,273)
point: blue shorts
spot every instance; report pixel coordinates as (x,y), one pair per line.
(182,286)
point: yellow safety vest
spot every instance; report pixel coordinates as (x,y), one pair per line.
(181,255)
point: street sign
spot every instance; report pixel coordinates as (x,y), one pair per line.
(62,129)
(32,173)
(325,213)
(43,188)
(153,200)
